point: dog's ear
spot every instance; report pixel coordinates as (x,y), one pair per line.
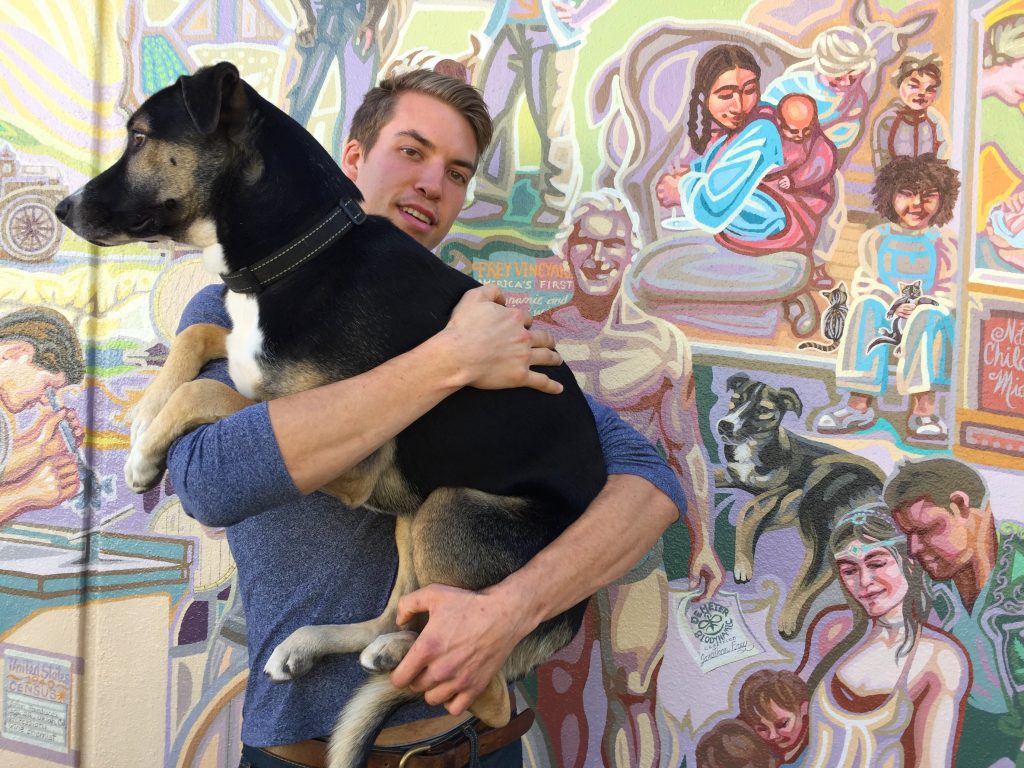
(736,381)
(790,400)
(213,96)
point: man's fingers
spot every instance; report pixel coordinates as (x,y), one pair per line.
(411,670)
(411,604)
(539,381)
(544,356)
(491,292)
(540,339)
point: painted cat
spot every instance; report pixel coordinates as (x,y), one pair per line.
(833,319)
(910,294)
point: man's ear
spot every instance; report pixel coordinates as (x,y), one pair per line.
(214,97)
(13,349)
(959,501)
(351,155)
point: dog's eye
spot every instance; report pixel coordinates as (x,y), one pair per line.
(137,139)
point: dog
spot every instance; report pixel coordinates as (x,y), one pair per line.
(212,164)
(795,481)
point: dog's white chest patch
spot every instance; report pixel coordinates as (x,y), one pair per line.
(244,343)
(742,464)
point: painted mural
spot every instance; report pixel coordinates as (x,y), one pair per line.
(785,240)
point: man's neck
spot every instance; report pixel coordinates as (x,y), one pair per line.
(972,579)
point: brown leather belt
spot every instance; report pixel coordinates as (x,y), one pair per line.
(451,749)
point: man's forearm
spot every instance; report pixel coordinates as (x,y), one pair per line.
(323,432)
(617,530)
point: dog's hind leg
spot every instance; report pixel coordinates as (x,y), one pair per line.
(750,524)
(194,403)
(305,646)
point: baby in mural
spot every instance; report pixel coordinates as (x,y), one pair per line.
(39,354)
(655,394)
(910,126)
(917,196)
(775,704)
(842,58)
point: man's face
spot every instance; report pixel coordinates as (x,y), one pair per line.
(918,91)
(732,98)
(22,382)
(783,729)
(916,208)
(417,172)
(940,538)
(599,250)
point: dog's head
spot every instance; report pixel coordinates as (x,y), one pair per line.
(179,142)
(755,409)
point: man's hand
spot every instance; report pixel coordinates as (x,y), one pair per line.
(496,346)
(705,565)
(42,441)
(465,643)
(51,483)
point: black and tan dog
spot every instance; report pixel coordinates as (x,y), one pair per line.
(795,481)
(212,164)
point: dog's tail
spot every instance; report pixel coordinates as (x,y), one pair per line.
(362,719)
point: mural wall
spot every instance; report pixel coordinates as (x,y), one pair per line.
(784,240)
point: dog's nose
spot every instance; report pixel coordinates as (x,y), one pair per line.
(63,208)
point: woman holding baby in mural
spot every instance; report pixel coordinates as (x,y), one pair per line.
(764,178)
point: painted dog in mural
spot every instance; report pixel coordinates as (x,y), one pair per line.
(795,482)
(212,164)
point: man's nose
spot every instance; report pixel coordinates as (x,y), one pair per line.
(430,180)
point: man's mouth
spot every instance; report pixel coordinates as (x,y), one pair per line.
(418,215)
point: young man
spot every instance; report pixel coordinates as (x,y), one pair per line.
(975,568)
(303,558)
(39,354)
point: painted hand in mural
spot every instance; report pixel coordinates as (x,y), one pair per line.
(668,186)
(463,646)
(45,486)
(40,442)
(305,25)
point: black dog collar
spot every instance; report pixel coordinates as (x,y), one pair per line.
(256,277)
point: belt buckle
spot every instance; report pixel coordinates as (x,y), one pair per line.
(404,761)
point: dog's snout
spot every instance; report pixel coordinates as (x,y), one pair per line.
(63,208)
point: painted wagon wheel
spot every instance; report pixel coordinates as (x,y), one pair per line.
(29,230)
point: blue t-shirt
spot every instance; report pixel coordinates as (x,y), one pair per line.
(309,559)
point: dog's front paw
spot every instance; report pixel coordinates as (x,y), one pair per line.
(788,628)
(743,571)
(385,653)
(143,469)
(295,656)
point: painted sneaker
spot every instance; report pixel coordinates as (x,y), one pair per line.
(930,429)
(843,420)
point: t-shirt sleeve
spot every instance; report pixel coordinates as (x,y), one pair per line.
(627,452)
(231,469)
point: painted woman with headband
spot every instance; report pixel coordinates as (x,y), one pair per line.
(889,689)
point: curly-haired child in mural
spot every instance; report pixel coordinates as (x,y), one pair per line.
(39,354)
(908,254)
(888,689)
(733,744)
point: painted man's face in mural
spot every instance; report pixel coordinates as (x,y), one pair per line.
(873,577)
(916,208)
(784,729)
(599,250)
(919,90)
(732,98)
(940,538)
(845,81)
(418,171)
(22,382)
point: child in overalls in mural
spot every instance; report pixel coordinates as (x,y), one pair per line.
(902,301)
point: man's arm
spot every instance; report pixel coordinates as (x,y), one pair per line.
(296,444)
(470,634)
